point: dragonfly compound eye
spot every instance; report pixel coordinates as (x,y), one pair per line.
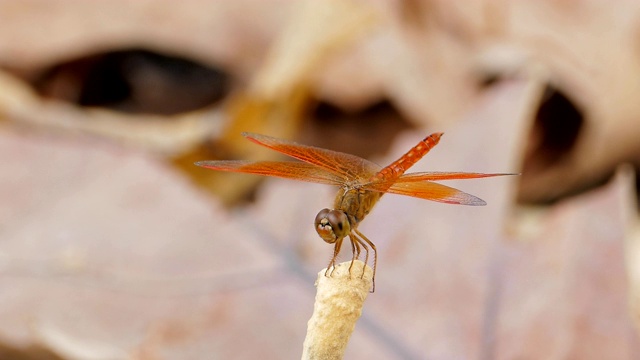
(332,225)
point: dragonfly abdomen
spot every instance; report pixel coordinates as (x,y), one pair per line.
(398,167)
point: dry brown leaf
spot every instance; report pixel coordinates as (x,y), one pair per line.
(112,247)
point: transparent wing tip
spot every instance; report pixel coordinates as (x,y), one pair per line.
(468,199)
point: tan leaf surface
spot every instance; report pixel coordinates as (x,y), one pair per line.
(107,251)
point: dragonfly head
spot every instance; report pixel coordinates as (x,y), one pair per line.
(332,225)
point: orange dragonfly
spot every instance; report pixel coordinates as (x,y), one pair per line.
(361,184)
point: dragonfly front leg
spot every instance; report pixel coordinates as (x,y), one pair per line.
(332,263)
(366,256)
(355,251)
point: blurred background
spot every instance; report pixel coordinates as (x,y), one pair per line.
(113,245)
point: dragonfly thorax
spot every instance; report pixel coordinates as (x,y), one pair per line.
(356,203)
(332,225)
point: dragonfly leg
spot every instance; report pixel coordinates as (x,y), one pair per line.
(355,251)
(375,256)
(332,263)
(360,242)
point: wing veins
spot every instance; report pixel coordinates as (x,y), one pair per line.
(429,191)
(284,169)
(346,166)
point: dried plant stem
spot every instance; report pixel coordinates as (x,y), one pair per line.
(338,306)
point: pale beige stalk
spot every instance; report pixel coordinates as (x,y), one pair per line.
(339,301)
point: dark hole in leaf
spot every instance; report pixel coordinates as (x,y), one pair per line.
(488,80)
(135,81)
(558,121)
(365,133)
(557,125)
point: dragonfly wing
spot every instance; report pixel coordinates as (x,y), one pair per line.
(429,191)
(443,175)
(346,166)
(283,169)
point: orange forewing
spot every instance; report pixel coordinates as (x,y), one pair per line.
(283,169)
(348,167)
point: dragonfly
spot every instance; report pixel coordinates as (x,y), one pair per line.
(361,184)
